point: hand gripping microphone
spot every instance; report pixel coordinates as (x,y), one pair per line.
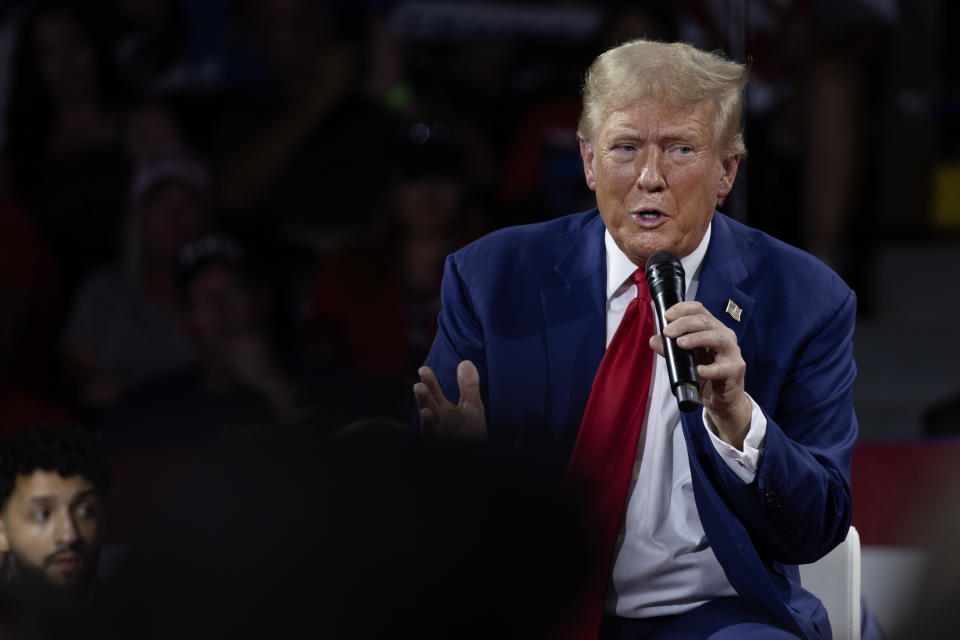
(665,279)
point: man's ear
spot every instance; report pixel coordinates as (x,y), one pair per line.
(586,153)
(728,175)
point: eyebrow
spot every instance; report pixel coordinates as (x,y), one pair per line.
(617,133)
(83,495)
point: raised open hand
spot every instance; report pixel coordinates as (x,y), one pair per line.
(441,418)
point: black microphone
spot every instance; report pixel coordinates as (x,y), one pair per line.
(667,284)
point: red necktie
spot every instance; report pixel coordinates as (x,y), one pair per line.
(603,456)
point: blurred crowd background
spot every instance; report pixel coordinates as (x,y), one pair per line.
(234,213)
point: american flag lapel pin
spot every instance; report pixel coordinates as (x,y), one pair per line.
(733,310)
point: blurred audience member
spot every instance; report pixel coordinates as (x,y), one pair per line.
(29,295)
(386,72)
(816,67)
(176,47)
(123,327)
(541,175)
(151,128)
(237,383)
(373,307)
(308,152)
(52,483)
(152,36)
(64,135)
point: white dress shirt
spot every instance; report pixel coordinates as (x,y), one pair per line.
(663,562)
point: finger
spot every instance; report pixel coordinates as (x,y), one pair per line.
(725,370)
(686,308)
(422,395)
(716,340)
(429,379)
(468,379)
(691,323)
(656,343)
(429,424)
(429,410)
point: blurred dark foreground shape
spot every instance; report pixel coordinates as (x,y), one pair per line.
(371,534)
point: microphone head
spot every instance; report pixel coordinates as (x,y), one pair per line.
(660,257)
(664,272)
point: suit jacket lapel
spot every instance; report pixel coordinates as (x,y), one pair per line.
(720,276)
(722,272)
(574,317)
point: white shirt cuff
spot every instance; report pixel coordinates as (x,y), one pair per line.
(743,463)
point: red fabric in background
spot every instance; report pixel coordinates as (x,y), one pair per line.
(21,408)
(898,487)
(27,265)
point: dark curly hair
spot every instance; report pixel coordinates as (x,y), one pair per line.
(68,450)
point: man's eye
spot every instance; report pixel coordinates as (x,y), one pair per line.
(88,511)
(40,515)
(624,152)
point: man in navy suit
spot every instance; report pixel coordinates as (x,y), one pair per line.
(725,501)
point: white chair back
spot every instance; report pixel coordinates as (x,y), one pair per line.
(835,579)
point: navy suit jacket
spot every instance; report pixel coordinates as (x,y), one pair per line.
(527,305)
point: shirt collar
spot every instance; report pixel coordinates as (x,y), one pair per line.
(619,267)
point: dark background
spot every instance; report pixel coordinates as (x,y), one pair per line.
(352,145)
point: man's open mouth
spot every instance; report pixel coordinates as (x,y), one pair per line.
(648,215)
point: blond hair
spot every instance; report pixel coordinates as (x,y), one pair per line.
(677,74)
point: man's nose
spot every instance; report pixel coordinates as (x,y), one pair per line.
(650,176)
(66,531)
